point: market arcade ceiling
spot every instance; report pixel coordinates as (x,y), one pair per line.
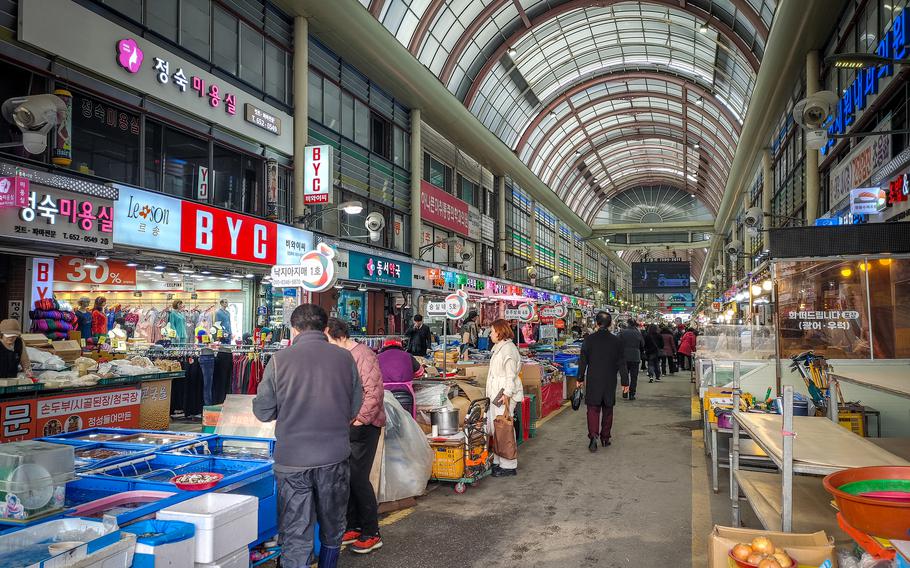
(600,97)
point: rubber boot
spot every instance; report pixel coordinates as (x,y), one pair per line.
(328,557)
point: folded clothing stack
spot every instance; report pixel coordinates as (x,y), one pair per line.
(48,318)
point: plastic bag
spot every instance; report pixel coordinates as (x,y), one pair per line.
(577,398)
(407,460)
(44,359)
(432,396)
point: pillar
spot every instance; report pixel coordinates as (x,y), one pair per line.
(416,177)
(501,238)
(301,109)
(767,192)
(747,240)
(812,182)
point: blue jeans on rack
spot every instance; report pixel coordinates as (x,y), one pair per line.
(207,363)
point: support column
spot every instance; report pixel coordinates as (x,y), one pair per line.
(416,177)
(747,240)
(501,238)
(767,192)
(812,182)
(301,109)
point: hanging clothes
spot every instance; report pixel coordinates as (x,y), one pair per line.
(224,368)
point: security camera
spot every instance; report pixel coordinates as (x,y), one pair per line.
(374,222)
(532,272)
(466,256)
(751,232)
(816,139)
(733,248)
(35,116)
(812,112)
(753,218)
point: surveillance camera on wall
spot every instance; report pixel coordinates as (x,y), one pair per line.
(753,218)
(374,224)
(812,112)
(733,248)
(466,256)
(35,116)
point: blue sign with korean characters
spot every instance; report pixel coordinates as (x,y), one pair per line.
(372,268)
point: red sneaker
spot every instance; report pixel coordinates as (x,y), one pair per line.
(367,544)
(350,537)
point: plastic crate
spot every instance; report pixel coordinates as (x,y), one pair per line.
(448,460)
(852,421)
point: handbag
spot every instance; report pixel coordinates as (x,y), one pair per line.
(577,397)
(504,444)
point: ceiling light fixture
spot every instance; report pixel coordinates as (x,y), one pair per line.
(101,256)
(511,51)
(132,264)
(703,29)
(90,263)
(159,267)
(351,207)
(206,272)
(362,288)
(186,270)
(249,275)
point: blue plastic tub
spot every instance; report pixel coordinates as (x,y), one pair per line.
(155,439)
(228,447)
(158,536)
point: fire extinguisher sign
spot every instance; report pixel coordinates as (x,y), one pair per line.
(317,177)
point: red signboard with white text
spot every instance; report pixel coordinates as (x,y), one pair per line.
(209,231)
(441,209)
(79,270)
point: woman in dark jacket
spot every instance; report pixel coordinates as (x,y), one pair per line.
(653,345)
(668,358)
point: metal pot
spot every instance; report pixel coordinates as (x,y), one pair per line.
(445,420)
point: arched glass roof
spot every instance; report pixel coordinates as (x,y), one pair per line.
(598,96)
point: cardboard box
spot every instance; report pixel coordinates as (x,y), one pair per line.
(807,549)
(67,350)
(474,370)
(531,374)
(36,340)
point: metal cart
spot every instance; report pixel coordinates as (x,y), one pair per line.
(477,457)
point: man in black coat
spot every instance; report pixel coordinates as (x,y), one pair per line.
(419,337)
(602,357)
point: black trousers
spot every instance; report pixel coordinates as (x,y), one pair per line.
(305,497)
(633,377)
(363,511)
(224,368)
(663,364)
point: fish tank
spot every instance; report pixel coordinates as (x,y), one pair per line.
(230,447)
(33,477)
(61,542)
(147,438)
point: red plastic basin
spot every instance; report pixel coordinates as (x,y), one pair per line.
(884,518)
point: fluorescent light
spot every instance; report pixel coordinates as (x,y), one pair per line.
(187,270)
(249,275)
(101,256)
(90,264)
(206,272)
(159,267)
(132,264)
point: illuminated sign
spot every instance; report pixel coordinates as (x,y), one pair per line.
(317,175)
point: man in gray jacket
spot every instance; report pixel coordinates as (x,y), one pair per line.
(632,342)
(313,391)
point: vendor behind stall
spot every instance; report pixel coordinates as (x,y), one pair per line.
(13,356)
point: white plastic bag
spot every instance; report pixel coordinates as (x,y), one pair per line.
(44,359)
(407,461)
(433,396)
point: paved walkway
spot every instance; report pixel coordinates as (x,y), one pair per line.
(627,505)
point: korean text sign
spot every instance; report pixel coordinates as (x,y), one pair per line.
(317,175)
(371,268)
(58,216)
(440,208)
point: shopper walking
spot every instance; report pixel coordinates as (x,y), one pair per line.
(363,512)
(503,387)
(633,343)
(312,389)
(687,347)
(602,357)
(653,345)
(419,337)
(668,360)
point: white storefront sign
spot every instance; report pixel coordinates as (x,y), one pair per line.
(317,175)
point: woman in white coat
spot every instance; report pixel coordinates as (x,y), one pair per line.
(503,376)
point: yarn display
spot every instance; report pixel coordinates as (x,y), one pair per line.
(53,319)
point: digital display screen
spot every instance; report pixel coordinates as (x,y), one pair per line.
(660,278)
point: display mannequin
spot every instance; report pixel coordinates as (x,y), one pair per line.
(84,318)
(99,320)
(223,321)
(118,335)
(177,321)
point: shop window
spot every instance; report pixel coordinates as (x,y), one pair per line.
(161,18)
(105,140)
(237,180)
(251,55)
(437,173)
(130,8)
(18,82)
(276,72)
(400,147)
(381,136)
(182,157)
(469,191)
(224,44)
(889,286)
(361,124)
(314,96)
(195,16)
(331,106)
(347,116)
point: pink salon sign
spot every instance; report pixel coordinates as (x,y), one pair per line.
(440,208)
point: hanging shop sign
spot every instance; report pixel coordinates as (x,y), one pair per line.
(42,279)
(893,45)
(79,270)
(144,219)
(115,52)
(202,184)
(316,271)
(372,268)
(317,175)
(867,201)
(442,209)
(523,312)
(557,311)
(457,305)
(870,155)
(56,216)
(13,192)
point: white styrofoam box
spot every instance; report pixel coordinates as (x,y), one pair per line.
(237,559)
(119,555)
(223,522)
(178,554)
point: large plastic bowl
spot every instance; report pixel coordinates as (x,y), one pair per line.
(884,518)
